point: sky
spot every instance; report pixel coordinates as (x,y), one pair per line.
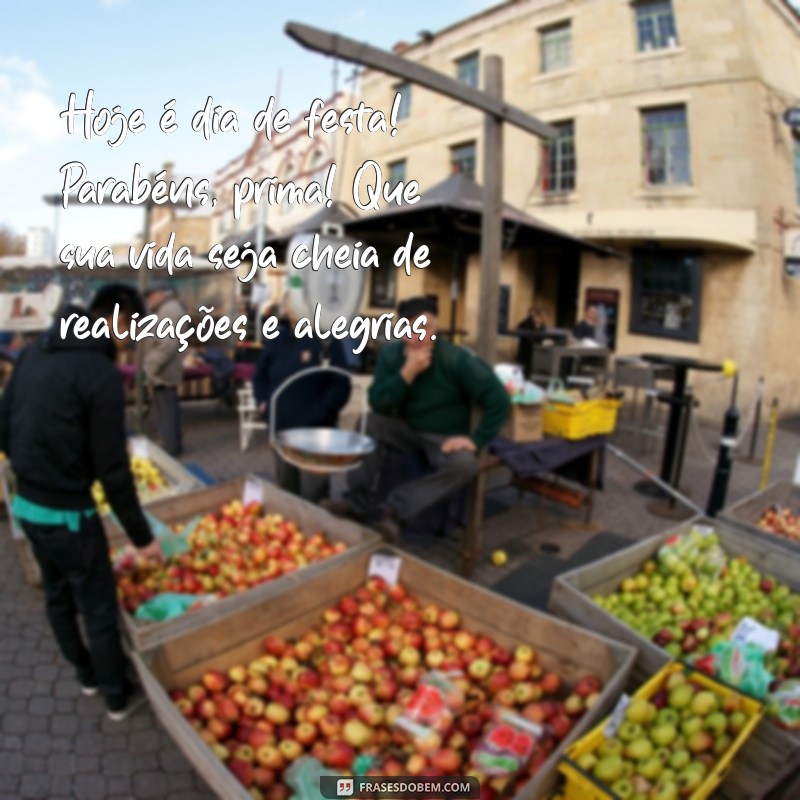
(143,53)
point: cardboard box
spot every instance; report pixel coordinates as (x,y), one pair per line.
(560,646)
(524,423)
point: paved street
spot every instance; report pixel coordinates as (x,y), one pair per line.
(56,745)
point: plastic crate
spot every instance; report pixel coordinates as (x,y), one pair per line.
(581,420)
(580,785)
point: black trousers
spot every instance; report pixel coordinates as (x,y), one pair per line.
(78,579)
(167,408)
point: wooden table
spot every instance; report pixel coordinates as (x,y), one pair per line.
(472,536)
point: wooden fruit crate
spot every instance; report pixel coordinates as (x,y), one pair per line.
(179,480)
(570,598)
(309,518)
(222,643)
(746,513)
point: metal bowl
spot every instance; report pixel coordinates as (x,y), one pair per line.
(323,450)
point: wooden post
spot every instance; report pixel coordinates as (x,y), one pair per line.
(492,221)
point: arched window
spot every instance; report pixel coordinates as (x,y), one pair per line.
(318,167)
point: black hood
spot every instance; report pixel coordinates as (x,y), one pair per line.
(52,341)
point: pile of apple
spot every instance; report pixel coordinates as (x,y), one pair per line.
(150,483)
(782,521)
(666,745)
(686,607)
(229,552)
(337,692)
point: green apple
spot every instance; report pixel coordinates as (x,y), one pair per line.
(680,697)
(691,726)
(736,722)
(704,703)
(667,715)
(622,788)
(716,724)
(610,747)
(609,769)
(628,731)
(663,754)
(650,768)
(680,759)
(721,745)
(640,710)
(586,761)
(665,791)
(639,750)
(663,735)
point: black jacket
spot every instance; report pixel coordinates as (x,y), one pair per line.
(62,425)
(311,402)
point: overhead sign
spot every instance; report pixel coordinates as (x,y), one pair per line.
(791,252)
(792,117)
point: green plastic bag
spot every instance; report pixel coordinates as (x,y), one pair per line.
(169,605)
(303,778)
(172,543)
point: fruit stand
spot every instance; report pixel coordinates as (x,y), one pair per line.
(157,476)
(773,514)
(582,596)
(371,648)
(347,540)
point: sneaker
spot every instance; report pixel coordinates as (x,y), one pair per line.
(89,690)
(134,702)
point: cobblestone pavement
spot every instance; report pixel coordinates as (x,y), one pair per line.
(57,745)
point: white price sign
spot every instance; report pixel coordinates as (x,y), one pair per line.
(139,447)
(749,631)
(386,567)
(617,716)
(703,530)
(253,492)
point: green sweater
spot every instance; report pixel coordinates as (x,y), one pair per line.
(440,400)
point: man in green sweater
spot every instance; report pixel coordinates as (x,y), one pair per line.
(422,398)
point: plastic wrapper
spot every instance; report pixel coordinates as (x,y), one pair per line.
(783,705)
(169,605)
(303,776)
(506,746)
(699,548)
(740,665)
(433,705)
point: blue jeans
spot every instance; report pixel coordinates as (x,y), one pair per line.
(78,579)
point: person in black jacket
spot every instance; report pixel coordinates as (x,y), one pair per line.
(311,402)
(62,425)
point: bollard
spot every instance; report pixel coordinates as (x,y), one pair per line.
(722,474)
(772,429)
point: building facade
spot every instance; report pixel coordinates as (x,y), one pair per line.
(672,150)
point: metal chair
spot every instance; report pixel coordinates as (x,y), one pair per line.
(249,418)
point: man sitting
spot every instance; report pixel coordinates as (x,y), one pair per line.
(422,397)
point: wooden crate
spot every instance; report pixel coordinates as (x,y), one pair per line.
(769,747)
(309,518)
(222,643)
(746,513)
(179,478)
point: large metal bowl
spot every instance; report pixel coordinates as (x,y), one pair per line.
(323,450)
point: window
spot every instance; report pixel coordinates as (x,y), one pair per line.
(666,294)
(383,287)
(318,168)
(397,172)
(556,47)
(462,159)
(404,107)
(655,24)
(468,69)
(796,156)
(559,164)
(666,146)
(288,174)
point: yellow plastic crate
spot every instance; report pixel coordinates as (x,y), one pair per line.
(581,420)
(580,785)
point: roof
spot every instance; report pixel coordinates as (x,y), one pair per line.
(458,202)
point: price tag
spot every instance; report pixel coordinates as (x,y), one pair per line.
(750,631)
(703,530)
(139,447)
(617,716)
(253,492)
(386,567)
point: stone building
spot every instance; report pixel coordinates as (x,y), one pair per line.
(672,150)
